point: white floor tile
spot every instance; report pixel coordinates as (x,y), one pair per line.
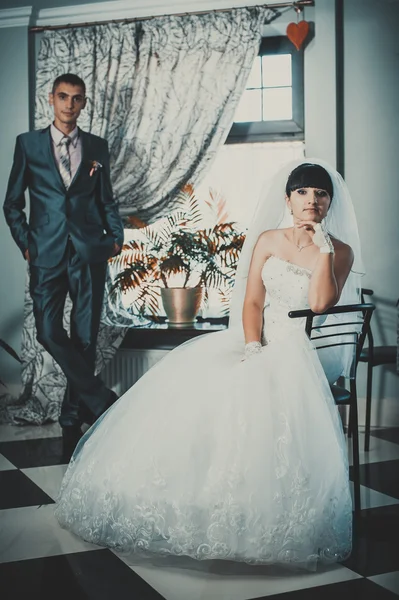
(230,581)
(390,581)
(14,433)
(48,478)
(34,532)
(5,464)
(380,450)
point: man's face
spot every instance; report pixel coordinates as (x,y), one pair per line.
(68,100)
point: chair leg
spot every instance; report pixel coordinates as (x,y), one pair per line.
(350,422)
(355,447)
(368,406)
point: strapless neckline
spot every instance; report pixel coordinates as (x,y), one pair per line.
(287,262)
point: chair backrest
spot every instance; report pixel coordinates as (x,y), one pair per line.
(370,338)
(366,292)
(339,333)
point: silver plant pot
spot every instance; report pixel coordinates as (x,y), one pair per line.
(181,305)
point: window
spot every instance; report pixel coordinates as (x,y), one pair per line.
(267,133)
(271,107)
(239,174)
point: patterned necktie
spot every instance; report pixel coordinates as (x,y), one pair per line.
(65,161)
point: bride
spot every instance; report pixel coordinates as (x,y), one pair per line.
(232,448)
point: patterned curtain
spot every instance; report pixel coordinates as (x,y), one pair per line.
(163,93)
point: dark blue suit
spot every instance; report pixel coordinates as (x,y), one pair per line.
(70,236)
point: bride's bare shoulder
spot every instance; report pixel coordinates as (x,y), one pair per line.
(269,241)
(271,236)
(341,246)
(343,252)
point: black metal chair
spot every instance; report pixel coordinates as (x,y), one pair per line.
(343,396)
(374,356)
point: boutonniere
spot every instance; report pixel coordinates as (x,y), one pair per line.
(95,166)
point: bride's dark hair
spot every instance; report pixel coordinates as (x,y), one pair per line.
(309,175)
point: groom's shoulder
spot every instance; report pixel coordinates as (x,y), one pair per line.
(30,136)
(96,139)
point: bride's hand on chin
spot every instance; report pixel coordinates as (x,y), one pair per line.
(319,235)
(309,227)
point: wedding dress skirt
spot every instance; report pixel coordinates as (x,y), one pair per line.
(210,457)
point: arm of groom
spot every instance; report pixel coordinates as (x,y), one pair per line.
(110,207)
(14,203)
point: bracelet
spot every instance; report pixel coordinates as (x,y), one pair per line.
(322,239)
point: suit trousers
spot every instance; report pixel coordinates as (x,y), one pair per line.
(76,353)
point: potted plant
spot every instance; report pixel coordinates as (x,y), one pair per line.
(180,246)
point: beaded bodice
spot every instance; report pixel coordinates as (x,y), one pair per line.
(287,288)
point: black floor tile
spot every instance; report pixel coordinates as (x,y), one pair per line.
(381,476)
(92,575)
(389,434)
(18,490)
(357,589)
(33,453)
(375,547)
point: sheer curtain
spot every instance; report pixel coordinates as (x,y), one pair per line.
(163,92)
(240,171)
(239,174)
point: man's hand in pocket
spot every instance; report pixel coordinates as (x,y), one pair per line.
(116,249)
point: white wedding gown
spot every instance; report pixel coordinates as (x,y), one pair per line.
(214,458)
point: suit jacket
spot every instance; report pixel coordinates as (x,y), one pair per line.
(86,211)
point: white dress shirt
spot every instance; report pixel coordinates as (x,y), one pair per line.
(75,148)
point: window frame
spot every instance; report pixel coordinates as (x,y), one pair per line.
(279,130)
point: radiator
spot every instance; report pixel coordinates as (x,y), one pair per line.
(127,366)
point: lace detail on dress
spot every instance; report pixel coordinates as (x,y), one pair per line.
(287,287)
(299,270)
(289,290)
(234,460)
(223,529)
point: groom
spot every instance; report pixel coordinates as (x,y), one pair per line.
(73,229)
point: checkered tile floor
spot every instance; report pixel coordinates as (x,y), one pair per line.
(41,561)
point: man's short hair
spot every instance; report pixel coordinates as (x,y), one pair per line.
(70,78)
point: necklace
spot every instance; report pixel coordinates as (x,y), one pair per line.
(301,246)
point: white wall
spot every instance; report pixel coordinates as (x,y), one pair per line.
(320,105)
(371,166)
(15,120)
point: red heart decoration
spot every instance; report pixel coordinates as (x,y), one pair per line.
(297,32)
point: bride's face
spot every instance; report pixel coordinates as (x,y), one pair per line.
(309,204)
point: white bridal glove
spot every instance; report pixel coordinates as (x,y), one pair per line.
(250,349)
(322,239)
